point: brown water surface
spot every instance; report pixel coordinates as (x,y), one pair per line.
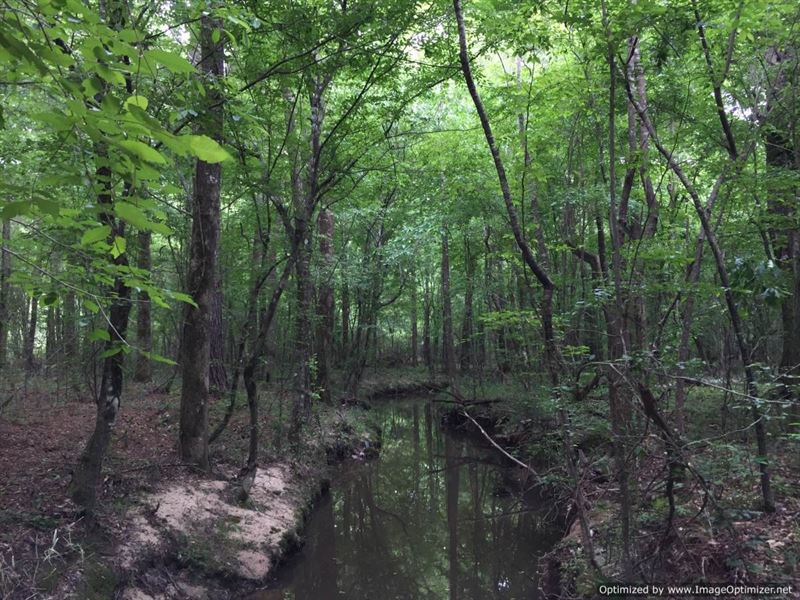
(437,516)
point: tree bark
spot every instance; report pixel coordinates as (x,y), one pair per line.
(5,312)
(414,318)
(201,272)
(30,335)
(427,306)
(144,335)
(217,371)
(467,354)
(325,305)
(448,350)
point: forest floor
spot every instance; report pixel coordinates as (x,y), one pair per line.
(164,530)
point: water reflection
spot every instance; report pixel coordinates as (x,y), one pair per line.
(429,520)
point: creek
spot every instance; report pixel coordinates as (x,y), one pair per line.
(439,515)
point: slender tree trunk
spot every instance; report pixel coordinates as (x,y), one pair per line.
(30,335)
(541,275)
(730,301)
(5,312)
(217,371)
(303,336)
(427,302)
(51,339)
(201,273)
(467,346)
(69,335)
(325,305)
(345,310)
(414,318)
(144,334)
(83,487)
(448,350)
(617,334)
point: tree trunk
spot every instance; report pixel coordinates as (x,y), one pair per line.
(782,160)
(617,333)
(144,335)
(325,306)
(730,301)
(345,341)
(414,318)
(83,487)
(201,273)
(551,350)
(30,335)
(427,302)
(5,273)
(467,346)
(301,408)
(217,371)
(448,350)
(51,339)
(69,335)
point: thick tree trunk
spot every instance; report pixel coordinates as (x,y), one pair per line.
(144,335)
(201,273)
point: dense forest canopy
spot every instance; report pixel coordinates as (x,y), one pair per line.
(581,214)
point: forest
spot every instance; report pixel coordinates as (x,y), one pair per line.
(443,299)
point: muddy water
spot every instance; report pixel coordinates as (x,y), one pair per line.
(437,516)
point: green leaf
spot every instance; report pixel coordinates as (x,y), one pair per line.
(173,62)
(207,150)
(158,358)
(96,234)
(99,335)
(111,351)
(119,246)
(139,101)
(48,206)
(14,209)
(131,214)
(183,298)
(91,306)
(143,151)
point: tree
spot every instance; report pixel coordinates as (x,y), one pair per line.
(201,272)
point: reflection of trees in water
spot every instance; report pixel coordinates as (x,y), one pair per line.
(423,522)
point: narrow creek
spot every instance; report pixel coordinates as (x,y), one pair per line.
(438,516)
